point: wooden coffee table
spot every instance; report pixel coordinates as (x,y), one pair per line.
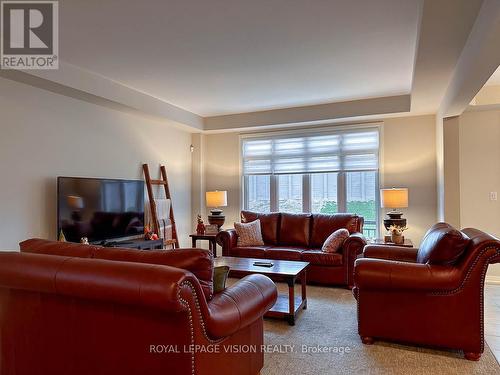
(286,306)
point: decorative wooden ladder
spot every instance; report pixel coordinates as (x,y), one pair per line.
(174,242)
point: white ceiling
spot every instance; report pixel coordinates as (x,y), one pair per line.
(230,56)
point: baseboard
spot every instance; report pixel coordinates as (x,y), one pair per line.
(492,280)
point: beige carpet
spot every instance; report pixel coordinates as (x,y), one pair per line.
(330,320)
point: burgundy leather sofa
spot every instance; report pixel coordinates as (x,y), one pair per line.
(300,237)
(91,310)
(430,296)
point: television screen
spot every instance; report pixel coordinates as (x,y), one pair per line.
(99,209)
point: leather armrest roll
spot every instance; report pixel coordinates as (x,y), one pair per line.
(240,305)
(399,253)
(379,274)
(227,239)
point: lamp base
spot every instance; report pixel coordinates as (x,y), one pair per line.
(394,219)
(217,220)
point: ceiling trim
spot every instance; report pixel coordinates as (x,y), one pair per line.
(312,113)
(478,61)
(78,83)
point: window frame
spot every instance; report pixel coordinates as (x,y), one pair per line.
(306,177)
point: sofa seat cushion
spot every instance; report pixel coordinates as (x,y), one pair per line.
(320,258)
(284,253)
(249,252)
(442,244)
(269,223)
(295,229)
(324,225)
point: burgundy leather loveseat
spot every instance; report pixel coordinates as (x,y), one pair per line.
(92,310)
(300,237)
(430,296)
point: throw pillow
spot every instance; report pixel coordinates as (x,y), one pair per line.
(335,240)
(249,234)
(220,277)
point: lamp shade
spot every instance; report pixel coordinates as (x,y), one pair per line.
(394,198)
(216,198)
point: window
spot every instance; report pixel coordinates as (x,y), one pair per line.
(324,193)
(324,172)
(290,193)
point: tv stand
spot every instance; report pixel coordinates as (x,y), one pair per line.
(135,244)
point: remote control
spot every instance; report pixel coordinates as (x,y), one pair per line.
(263,264)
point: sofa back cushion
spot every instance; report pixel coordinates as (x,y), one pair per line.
(324,225)
(295,229)
(269,223)
(197,261)
(442,244)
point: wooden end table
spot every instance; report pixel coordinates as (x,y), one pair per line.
(381,241)
(212,244)
(286,306)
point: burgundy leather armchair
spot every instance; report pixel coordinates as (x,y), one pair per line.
(429,296)
(117,311)
(300,237)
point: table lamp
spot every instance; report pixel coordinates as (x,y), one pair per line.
(394,198)
(216,199)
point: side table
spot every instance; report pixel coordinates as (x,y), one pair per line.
(212,244)
(380,241)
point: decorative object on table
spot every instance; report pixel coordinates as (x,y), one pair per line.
(200,228)
(397,234)
(153,203)
(149,234)
(249,234)
(211,229)
(62,237)
(335,241)
(216,199)
(84,241)
(220,277)
(394,198)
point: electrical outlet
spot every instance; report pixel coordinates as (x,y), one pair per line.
(493,196)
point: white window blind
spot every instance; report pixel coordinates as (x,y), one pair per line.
(354,150)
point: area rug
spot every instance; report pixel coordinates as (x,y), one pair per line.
(325,341)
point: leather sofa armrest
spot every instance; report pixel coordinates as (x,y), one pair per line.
(380,274)
(240,305)
(399,253)
(351,248)
(227,239)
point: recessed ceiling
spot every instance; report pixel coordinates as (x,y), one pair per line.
(231,56)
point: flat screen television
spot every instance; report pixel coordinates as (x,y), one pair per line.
(99,209)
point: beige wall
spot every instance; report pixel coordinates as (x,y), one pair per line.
(480,173)
(45,135)
(222,171)
(451,171)
(487,95)
(408,159)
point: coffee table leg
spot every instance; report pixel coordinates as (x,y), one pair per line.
(291,301)
(193,242)
(304,296)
